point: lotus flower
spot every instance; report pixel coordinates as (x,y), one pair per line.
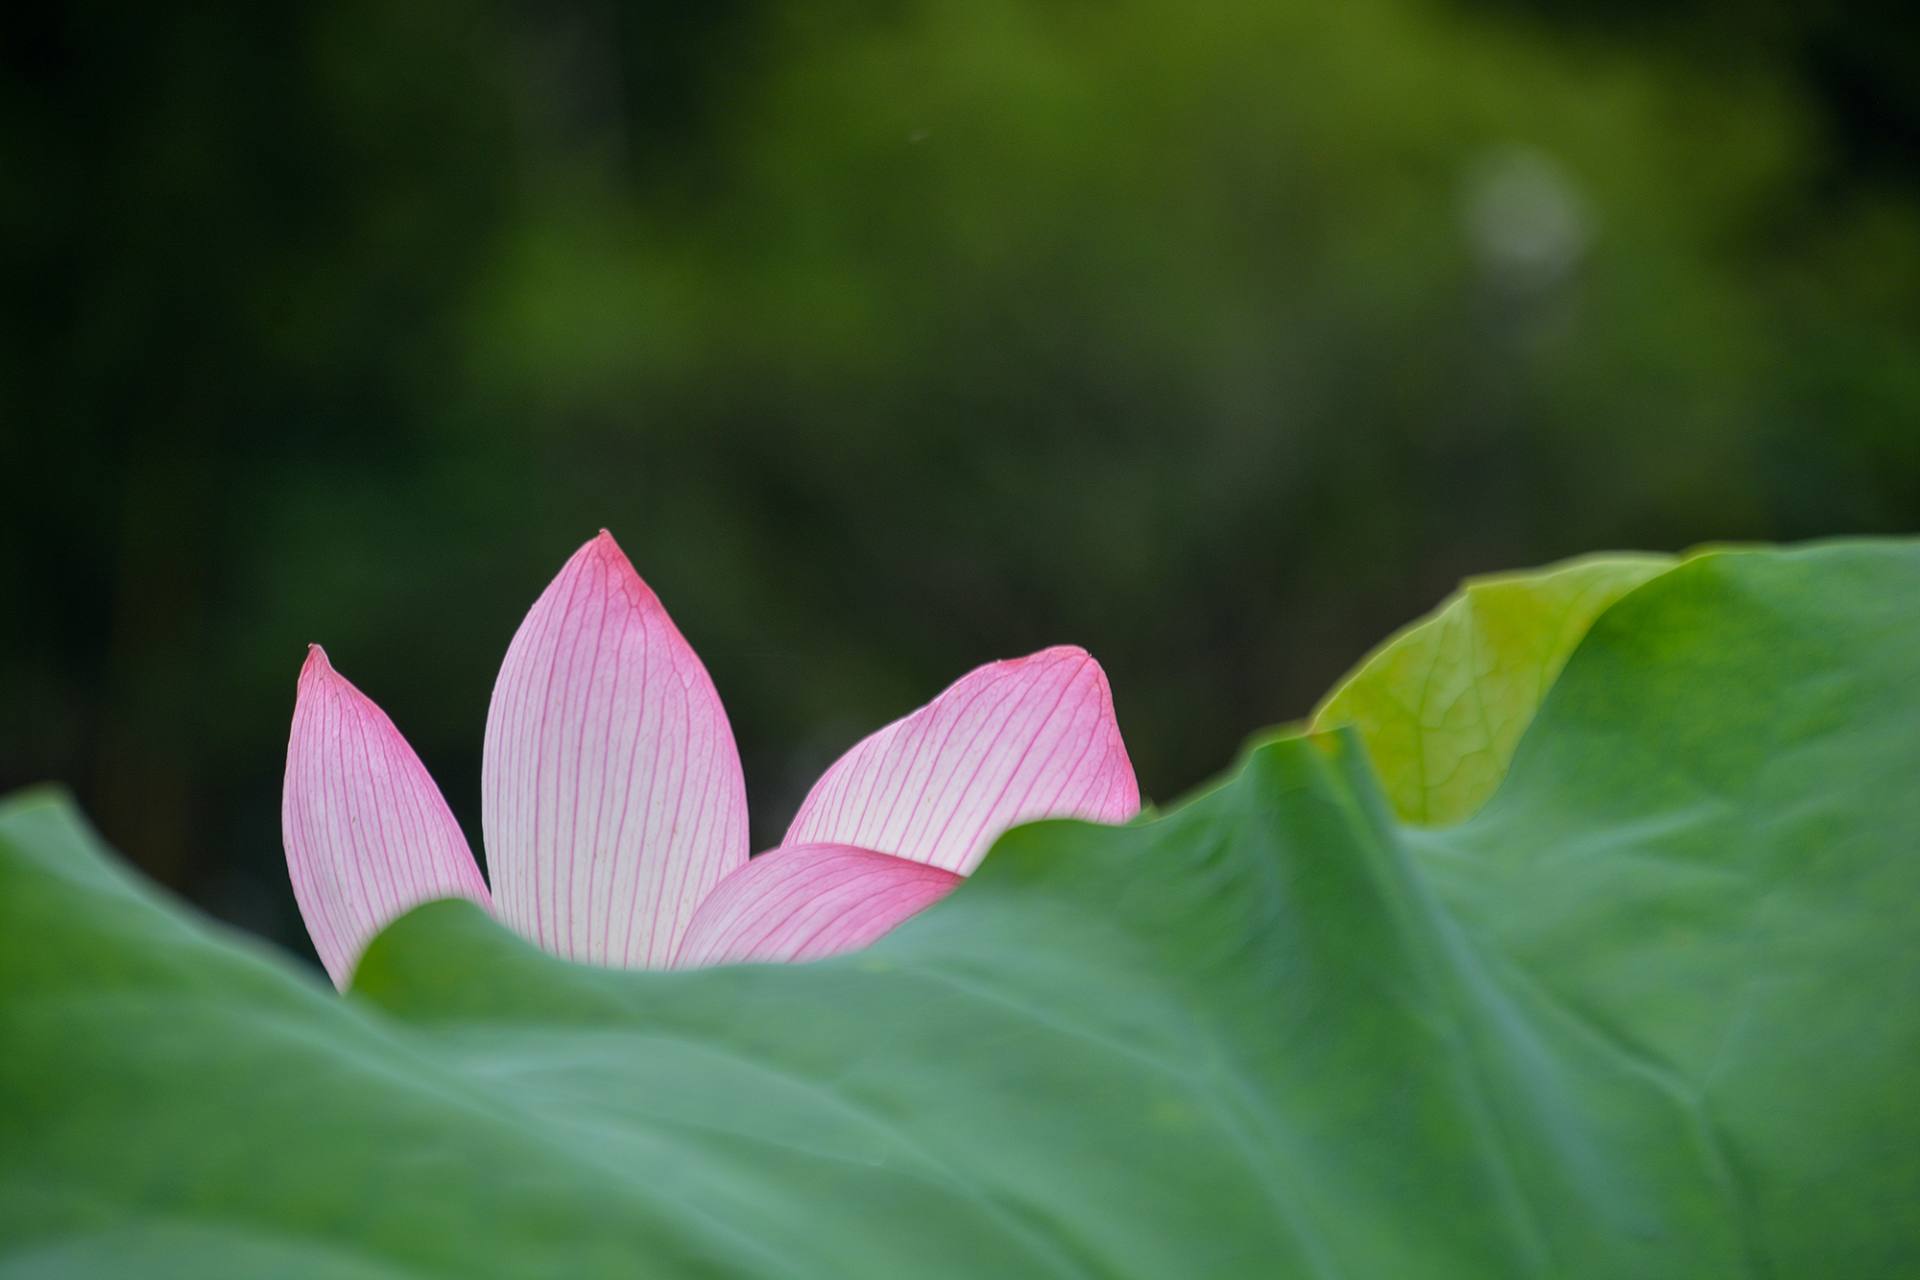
(614,810)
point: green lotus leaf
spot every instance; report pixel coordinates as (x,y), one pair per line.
(1648,1012)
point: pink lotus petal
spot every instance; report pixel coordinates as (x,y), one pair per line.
(611,792)
(808,901)
(367,833)
(1032,737)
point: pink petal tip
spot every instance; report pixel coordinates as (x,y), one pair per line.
(1009,742)
(367,833)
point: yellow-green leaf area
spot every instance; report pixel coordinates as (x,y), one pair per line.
(1441,705)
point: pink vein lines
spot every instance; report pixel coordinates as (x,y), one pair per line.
(615,814)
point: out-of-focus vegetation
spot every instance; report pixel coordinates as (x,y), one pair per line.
(890,339)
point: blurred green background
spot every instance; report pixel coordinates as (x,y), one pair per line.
(891,338)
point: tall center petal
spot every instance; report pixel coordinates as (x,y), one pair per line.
(612,798)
